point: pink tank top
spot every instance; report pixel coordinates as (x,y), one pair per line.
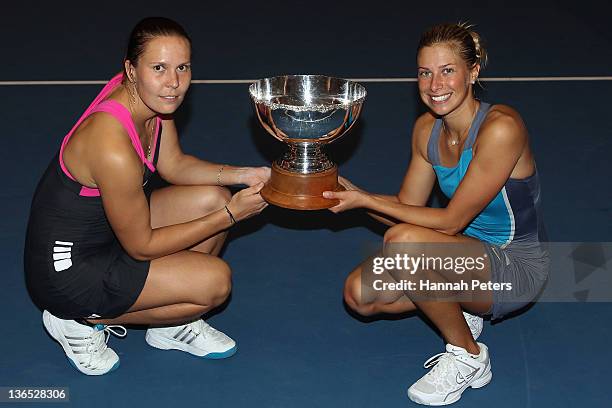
(123,116)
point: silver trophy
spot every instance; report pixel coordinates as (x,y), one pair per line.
(305,112)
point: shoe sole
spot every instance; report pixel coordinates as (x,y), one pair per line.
(67,351)
(163,345)
(113,368)
(476,384)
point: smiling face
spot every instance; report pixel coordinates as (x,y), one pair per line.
(162,73)
(444,79)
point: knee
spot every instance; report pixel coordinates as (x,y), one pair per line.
(216,283)
(351,293)
(214,198)
(403,233)
(353,299)
(222,284)
(368,309)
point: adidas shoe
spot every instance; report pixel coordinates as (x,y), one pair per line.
(452,373)
(85,346)
(197,338)
(475,324)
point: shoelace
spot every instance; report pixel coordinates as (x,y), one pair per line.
(206,330)
(99,338)
(439,362)
(196,328)
(215,334)
(200,328)
(210,331)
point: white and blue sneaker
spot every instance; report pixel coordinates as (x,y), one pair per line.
(452,373)
(197,338)
(85,346)
(475,323)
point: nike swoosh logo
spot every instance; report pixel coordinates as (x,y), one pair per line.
(467,377)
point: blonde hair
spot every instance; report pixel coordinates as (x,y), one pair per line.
(466,42)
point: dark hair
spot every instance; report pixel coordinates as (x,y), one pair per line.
(461,38)
(148,29)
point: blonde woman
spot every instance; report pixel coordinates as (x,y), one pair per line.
(480,156)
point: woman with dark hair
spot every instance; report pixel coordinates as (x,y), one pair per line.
(480,156)
(103,249)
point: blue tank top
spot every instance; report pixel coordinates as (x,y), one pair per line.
(514,213)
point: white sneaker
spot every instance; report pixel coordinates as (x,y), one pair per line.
(197,338)
(451,374)
(85,346)
(475,324)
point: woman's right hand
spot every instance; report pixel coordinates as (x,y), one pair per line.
(349,198)
(247,202)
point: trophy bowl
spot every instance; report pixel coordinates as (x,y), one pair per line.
(305,112)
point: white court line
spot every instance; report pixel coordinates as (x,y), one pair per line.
(499,79)
(391,80)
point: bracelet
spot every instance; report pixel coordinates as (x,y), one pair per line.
(232,219)
(219,175)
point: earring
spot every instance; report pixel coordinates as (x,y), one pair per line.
(131,90)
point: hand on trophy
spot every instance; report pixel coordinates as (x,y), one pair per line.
(255,175)
(353,197)
(247,203)
(347,184)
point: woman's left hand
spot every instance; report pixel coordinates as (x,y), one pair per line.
(254,175)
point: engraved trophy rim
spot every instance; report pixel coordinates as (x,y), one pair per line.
(361,94)
(344,94)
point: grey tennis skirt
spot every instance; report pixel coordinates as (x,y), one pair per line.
(525,265)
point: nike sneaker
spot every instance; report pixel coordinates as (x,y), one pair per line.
(452,373)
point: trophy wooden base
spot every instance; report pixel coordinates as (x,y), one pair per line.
(301,191)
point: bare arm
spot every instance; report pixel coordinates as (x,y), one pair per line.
(117,171)
(378,217)
(179,168)
(418,181)
(487,173)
